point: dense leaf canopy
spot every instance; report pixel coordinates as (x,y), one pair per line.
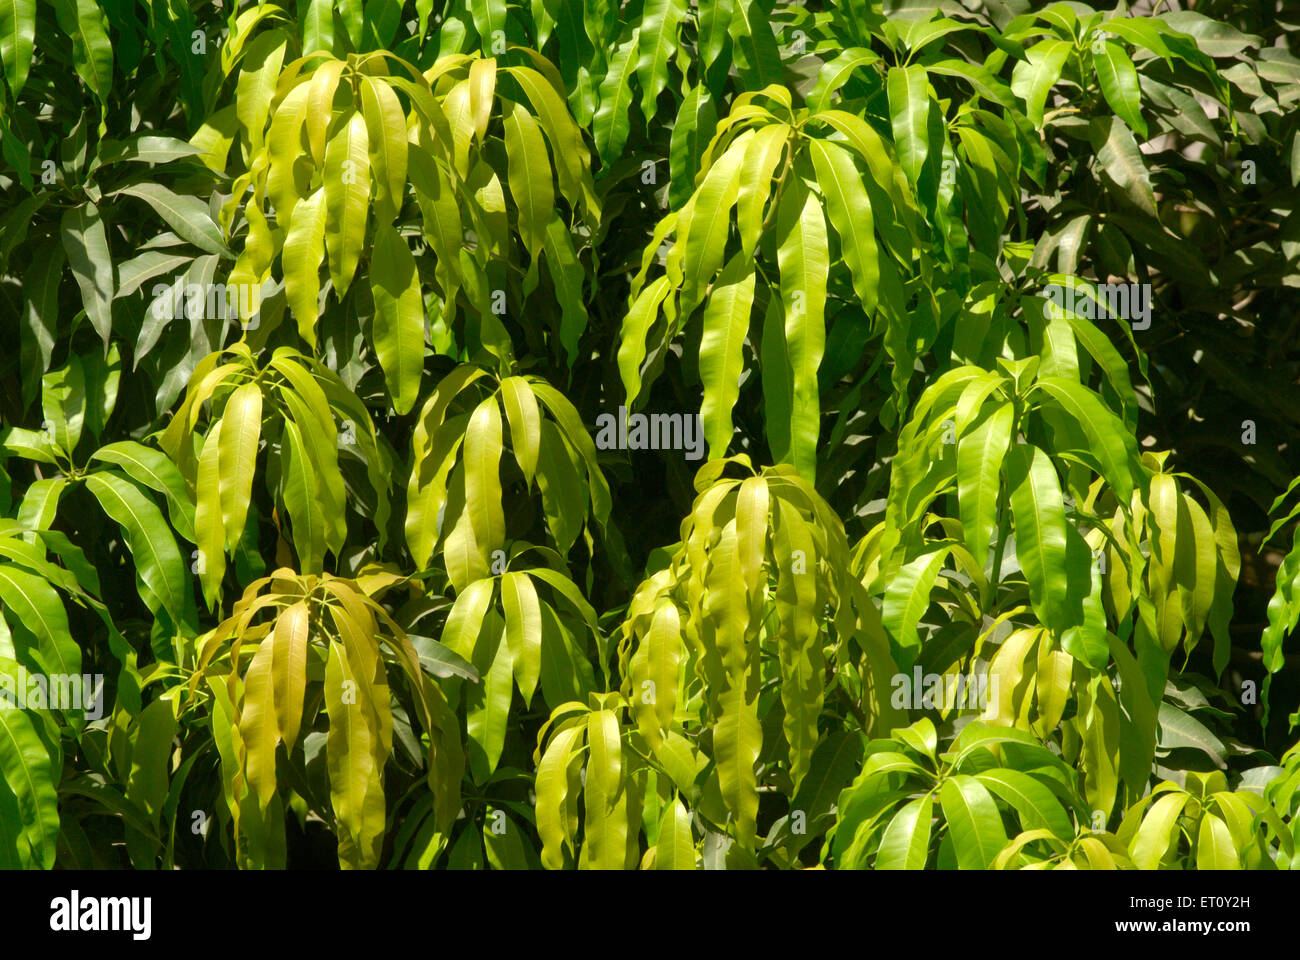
(660,434)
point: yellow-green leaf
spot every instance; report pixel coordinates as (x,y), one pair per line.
(399,317)
(241,429)
(347,194)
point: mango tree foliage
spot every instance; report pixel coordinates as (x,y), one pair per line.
(324,638)
(946,518)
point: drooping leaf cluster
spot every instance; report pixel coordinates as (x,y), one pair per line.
(316,318)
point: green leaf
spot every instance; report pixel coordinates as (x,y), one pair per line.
(980,453)
(1213,37)
(1039,515)
(156,471)
(905,844)
(92,52)
(86,243)
(726,324)
(1283,610)
(1034,803)
(158,562)
(483,476)
(283,148)
(1215,849)
(302,500)
(347,195)
(320,107)
(920,33)
(530,177)
(834,764)
(754,48)
(151,739)
(1138,720)
(290,641)
(1119,84)
(675,849)
(1180,729)
(1099,716)
(703,242)
(461,632)
(490,18)
(555,823)
(761,157)
(318,26)
(573,160)
(523,630)
(850,213)
(737,739)
(580,440)
(612,121)
(356,786)
(640,317)
(1157,831)
(567,275)
(920,736)
(63,403)
(909,111)
(440,660)
(1111,362)
(1196,567)
(187,215)
(561,486)
(399,317)
(300,259)
(778,394)
(803,665)
(981,79)
(713,18)
(1034,77)
(241,432)
(1109,440)
(17,38)
(605,827)
(207,516)
(804,261)
(103,376)
(17,155)
(525,421)
(40,319)
(29,775)
(908,596)
(386,129)
(487,704)
(1156,245)
(657,43)
(255,88)
(973,821)
(31,601)
(504,843)
(696,120)
(663,658)
(836,72)
(569,591)
(1121,163)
